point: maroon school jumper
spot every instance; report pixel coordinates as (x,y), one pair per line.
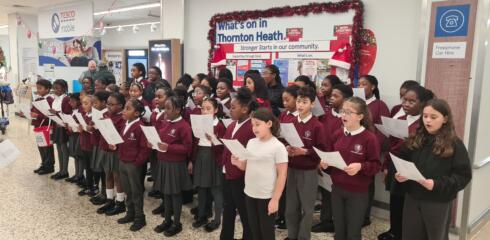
(378,108)
(119,123)
(361,147)
(85,137)
(178,135)
(324,103)
(287,117)
(243,134)
(312,135)
(41,120)
(332,121)
(158,121)
(134,149)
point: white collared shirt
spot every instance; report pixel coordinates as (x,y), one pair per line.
(129,124)
(306,119)
(58,100)
(176,120)
(400,113)
(355,132)
(159,112)
(237,126)
(138,80)
(369,101)
(336,114)
(411,119)
(295,113)
(224,101)
(75,111)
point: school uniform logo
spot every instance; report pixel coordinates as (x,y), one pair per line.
(357,149)
(308,135)
(172,133)
(132,137)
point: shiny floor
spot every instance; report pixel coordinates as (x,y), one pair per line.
(36,207)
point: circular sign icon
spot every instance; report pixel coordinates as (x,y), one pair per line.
(451,21)
(55,23)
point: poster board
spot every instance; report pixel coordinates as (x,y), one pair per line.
(115,62)
(286,37)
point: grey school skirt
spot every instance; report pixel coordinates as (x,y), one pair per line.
(172,177)
(207,172)
(74,145)
(60,135)
(109,161)
(96,160)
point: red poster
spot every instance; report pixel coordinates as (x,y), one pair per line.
(342,31)
(294,34)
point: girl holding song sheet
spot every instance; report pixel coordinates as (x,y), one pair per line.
(208,175)
(359,148)
(443,160)
(413,101)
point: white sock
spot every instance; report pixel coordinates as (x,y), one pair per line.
(109,193)
(120,197)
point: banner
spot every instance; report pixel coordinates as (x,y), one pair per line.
(160,55)
(298,45)
(68,20)
(69,52)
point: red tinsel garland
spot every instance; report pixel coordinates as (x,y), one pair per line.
(287,11)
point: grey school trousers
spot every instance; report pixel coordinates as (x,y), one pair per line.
(425,220)
(130,176)
(349,209)
(300,202)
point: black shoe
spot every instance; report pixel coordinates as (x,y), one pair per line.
(323,227)
(199,223)
(386,236)
(289,238)
(38,169)
(126,219)
(60,176)
(83,192)
(71,179)
(149,179)
(45,171)
(159,210)
(138,224)
(93,192)
(211,226)
(55,175)
(107,206)
(162,227)
(173,230)
(155,194)
(366,222)
(318,208)
(118,208)
(281,224)
(98,200)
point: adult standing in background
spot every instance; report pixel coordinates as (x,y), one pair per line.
(92,70)
(274,87)
(104,73)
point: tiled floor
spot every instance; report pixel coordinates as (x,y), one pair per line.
(36,207)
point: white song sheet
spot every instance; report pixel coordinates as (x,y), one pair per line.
(333,159)
(406,169)
(109,132)
(289,133)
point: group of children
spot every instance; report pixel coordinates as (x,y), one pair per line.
(277,186)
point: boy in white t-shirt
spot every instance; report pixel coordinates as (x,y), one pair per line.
(265,174)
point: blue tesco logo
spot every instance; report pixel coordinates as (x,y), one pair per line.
(452,21)
(55,23)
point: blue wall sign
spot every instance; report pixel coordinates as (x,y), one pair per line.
(452,21)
